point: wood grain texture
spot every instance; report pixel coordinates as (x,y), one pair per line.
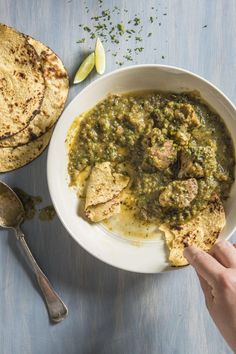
(110,311)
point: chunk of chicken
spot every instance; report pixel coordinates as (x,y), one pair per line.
(163,156)
(179,194)
(201,162)
(188,168)
(186,113)
(136,120)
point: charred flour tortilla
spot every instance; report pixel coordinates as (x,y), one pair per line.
(22,83)
(57,86)
(104,192)
(202,231)
(12,158)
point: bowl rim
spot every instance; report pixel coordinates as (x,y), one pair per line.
(87,88)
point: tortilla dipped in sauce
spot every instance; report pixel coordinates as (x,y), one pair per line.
(103,195)
(201,231)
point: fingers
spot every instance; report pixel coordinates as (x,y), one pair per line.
(207,290)
(225,253)
(205,265)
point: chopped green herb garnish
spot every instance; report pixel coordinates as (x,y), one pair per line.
(111,30)
(82,40)
(87,29)
(128,57)
(100,26)
(121,28)
(120,63)
(95,18)
(136,21)
(116,9)
(140,49)
(104,25)
(106,13)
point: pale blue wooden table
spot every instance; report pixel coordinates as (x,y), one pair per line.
(111,311)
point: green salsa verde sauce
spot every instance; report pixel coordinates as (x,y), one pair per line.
(157,138)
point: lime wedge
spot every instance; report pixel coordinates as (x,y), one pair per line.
(85,68)
(100,60)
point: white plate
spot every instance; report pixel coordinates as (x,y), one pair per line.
(149,257)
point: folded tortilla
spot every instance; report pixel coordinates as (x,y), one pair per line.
(201,231)
(103,195)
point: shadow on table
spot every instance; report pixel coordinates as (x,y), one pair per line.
(106,305)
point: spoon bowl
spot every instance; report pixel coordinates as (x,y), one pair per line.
(11,209)
(12,215)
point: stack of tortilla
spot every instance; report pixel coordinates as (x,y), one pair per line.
(33,90)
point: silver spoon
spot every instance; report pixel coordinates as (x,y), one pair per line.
(11,216)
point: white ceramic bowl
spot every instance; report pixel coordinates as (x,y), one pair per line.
(149,257)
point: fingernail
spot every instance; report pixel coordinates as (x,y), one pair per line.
(189,252)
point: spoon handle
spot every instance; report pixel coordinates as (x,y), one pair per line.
(56,308)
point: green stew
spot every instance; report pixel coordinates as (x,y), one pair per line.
(176,150)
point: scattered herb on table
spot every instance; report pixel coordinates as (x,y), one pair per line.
(106,26)
(29,202)
(138,50)
(137,21)
(121,28)
(120,63)
(128,57)
(82,40)
(47,213)
(87,29)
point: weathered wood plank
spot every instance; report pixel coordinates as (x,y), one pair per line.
(111,311)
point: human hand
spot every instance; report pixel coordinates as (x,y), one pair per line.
(217,274)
